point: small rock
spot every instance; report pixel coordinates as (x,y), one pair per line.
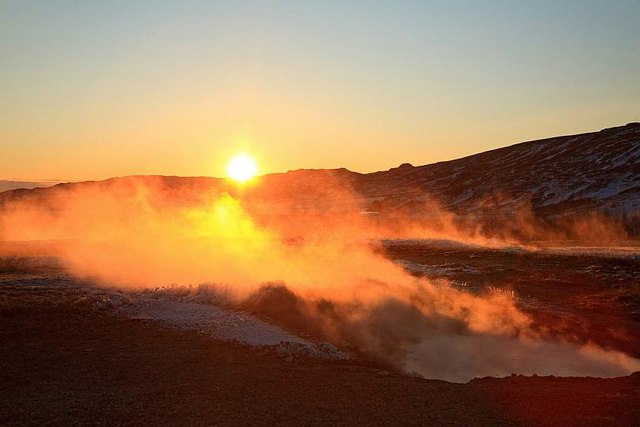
(327,348)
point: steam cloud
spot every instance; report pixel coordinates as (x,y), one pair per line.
(310,265)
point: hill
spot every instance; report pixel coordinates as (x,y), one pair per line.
(546,181)
(568,173)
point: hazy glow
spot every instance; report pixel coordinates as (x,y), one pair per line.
(139,232)
(242,168)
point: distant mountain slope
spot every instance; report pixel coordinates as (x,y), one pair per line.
(6,185)
(568,173)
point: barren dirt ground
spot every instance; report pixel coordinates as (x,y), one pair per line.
(65,362)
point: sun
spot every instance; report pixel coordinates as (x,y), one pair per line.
(242,168)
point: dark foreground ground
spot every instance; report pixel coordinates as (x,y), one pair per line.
(63,362)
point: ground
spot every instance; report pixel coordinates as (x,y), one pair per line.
(65,362)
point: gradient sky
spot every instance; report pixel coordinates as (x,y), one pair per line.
(91,90)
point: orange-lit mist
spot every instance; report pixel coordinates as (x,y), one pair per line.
(312,238)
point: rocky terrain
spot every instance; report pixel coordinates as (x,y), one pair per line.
(562,174)
(69,359)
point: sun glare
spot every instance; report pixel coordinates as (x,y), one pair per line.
(242,168)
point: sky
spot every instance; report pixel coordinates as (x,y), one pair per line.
(96,89)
